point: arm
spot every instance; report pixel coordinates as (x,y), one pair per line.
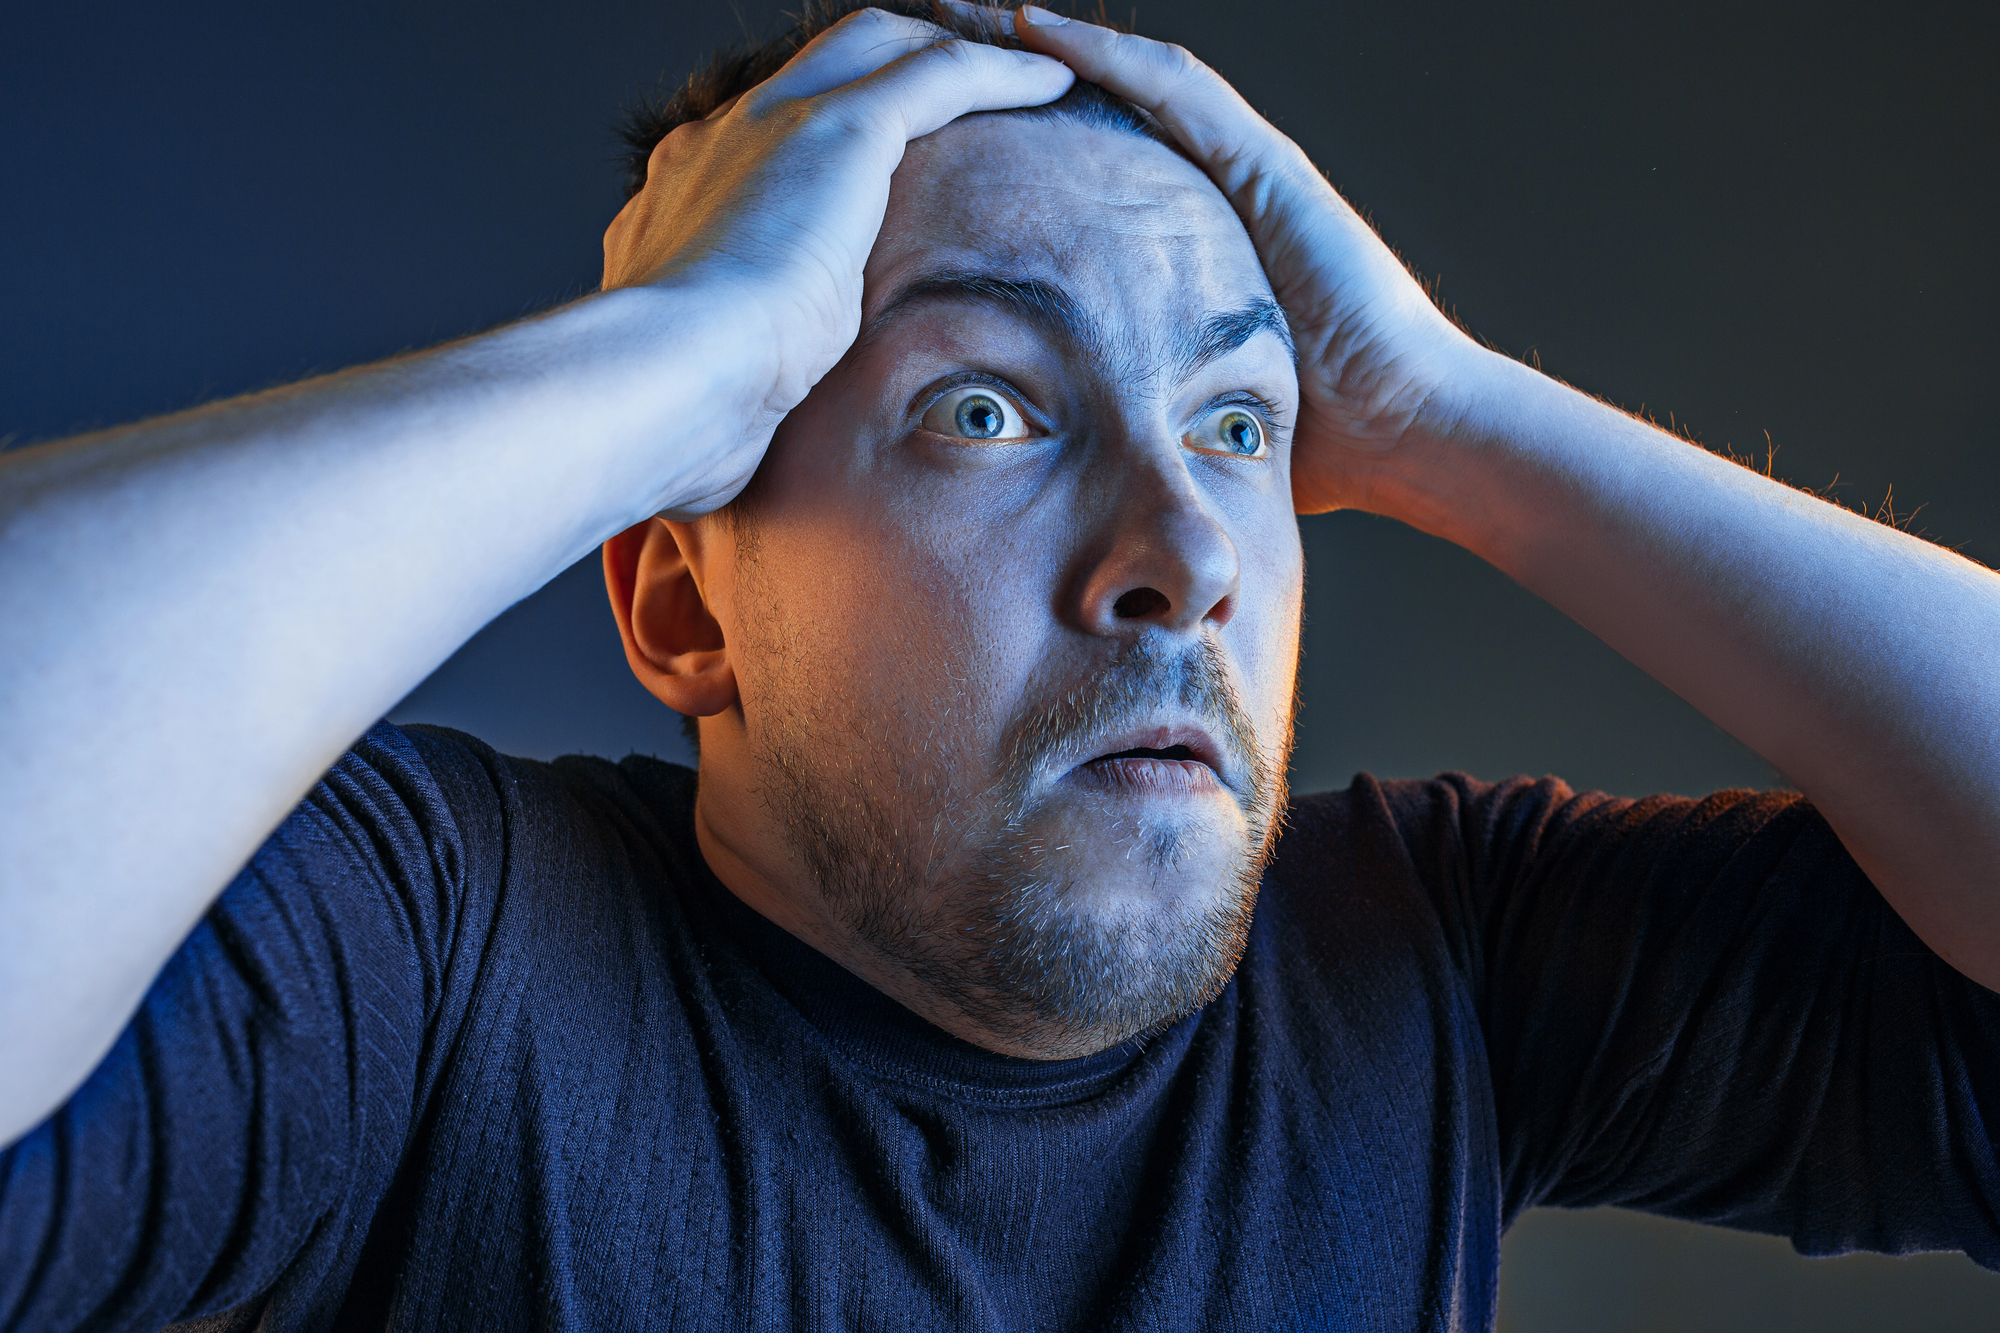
(202,612)
(1861,661)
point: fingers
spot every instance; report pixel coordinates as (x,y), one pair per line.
(885,64)
(851,49)
(998,22)
(929,88)
(1195,104)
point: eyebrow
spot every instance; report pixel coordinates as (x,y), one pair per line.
(1222,333)
(1042,304)
(1060,317)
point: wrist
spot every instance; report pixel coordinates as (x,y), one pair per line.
(665,397)
(1472,451)
(1514,466)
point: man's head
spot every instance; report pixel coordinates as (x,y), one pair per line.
(734,70)
(996,655)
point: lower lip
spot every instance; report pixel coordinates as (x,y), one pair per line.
(1151,776)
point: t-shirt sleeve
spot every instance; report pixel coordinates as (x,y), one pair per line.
(1704,1009)
(251,1116)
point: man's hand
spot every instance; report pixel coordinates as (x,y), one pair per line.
(1862,662)
(1374,351)
(773,203)
(230,596)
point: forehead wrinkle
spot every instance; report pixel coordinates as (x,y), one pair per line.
(1062,318)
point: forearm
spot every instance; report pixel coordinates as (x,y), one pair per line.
(209,608)
(1861,661)
(202,612)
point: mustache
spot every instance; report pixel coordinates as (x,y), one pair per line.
(1129,688)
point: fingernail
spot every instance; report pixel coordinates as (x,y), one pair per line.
(1042,18)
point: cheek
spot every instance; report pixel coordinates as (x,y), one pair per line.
(891,599)
(975,606)
(885,635)
(1264,635)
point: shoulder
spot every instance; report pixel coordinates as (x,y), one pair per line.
(1437,865)
(457,839)
(458,780)
(1453,828)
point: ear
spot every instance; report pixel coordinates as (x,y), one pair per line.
(673,644)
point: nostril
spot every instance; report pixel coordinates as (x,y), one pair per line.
(1140,603)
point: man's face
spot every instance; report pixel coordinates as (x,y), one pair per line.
(1014,604)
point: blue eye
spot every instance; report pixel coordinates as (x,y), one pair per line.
(979,417)
(1240,433)
(976,412)
(1228,429)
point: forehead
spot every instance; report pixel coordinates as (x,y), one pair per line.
(1129,228)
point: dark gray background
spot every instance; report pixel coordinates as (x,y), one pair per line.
(1772,221)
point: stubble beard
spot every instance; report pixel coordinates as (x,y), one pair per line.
(978,911)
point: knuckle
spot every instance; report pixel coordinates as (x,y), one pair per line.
(758,102)
(678,145)
(827,114)
(663,150)
(872,17)
(819,125)
(1181,61)
(954,51)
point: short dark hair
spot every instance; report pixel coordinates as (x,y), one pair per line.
(739,68)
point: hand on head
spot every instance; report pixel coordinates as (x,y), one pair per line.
(1374,351)
(781,192)
(777,199)
(1015,602)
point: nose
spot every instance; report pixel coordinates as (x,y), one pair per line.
(1155,555)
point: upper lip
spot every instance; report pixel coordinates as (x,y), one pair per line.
(1158,734)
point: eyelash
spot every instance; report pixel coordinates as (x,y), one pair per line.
(1264,408)
(964,378)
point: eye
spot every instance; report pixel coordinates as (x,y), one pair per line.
(977,412)
(1228,429)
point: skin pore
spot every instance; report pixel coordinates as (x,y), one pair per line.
(911,645)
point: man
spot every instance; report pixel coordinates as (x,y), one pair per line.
(947,462)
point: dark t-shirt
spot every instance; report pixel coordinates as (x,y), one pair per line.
(479,1043)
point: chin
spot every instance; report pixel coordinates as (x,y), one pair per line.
(1127,864)
(1086,931)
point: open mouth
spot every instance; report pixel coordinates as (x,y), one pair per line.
(1153,770)
(1145,752)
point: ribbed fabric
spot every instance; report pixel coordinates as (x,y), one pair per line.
(478,1043)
